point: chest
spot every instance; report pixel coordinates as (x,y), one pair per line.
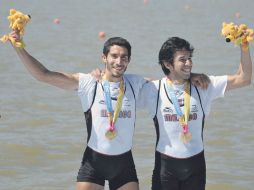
(127,106)
(167,106)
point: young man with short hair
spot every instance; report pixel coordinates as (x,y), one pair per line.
(179,110)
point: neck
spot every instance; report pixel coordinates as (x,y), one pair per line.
(109,77)
(175,80)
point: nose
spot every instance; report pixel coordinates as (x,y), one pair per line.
(119,61)
(189,62)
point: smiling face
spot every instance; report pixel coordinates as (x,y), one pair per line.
(116,62)
(180,70)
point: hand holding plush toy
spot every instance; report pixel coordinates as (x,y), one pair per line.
(18,21)
(238,34)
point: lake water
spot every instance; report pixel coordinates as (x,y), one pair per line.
(42,128)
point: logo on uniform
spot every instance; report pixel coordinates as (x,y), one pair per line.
(178,93)
(101,102)
(194,108)
(126,102)
(114,98)
(168,110)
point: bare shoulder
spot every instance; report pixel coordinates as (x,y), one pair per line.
(76,76)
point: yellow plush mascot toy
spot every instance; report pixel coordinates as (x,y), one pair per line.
(237,34)
(18,21)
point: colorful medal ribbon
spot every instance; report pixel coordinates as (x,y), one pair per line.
(113,115)
(185,135)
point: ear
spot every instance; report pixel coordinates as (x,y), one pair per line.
(168,65)
(104,58)
(129,60)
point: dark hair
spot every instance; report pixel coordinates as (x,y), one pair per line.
(116,41)
(169,48)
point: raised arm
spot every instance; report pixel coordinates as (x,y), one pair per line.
(41,73)
(244,74)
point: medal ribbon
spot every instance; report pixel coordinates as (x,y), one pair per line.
(183,118)
(113,115)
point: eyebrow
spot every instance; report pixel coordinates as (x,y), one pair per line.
(183,56)
(123,55)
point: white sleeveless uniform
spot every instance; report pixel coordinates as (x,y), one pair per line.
(169,142)
(168,127)
(99,124)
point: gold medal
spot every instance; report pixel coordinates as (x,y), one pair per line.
(113,115)
(185,137)
(110,134)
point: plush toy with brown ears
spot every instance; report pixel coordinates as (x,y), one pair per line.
(18,21)
(237,34)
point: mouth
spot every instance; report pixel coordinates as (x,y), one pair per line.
(186,70)
(119,68)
